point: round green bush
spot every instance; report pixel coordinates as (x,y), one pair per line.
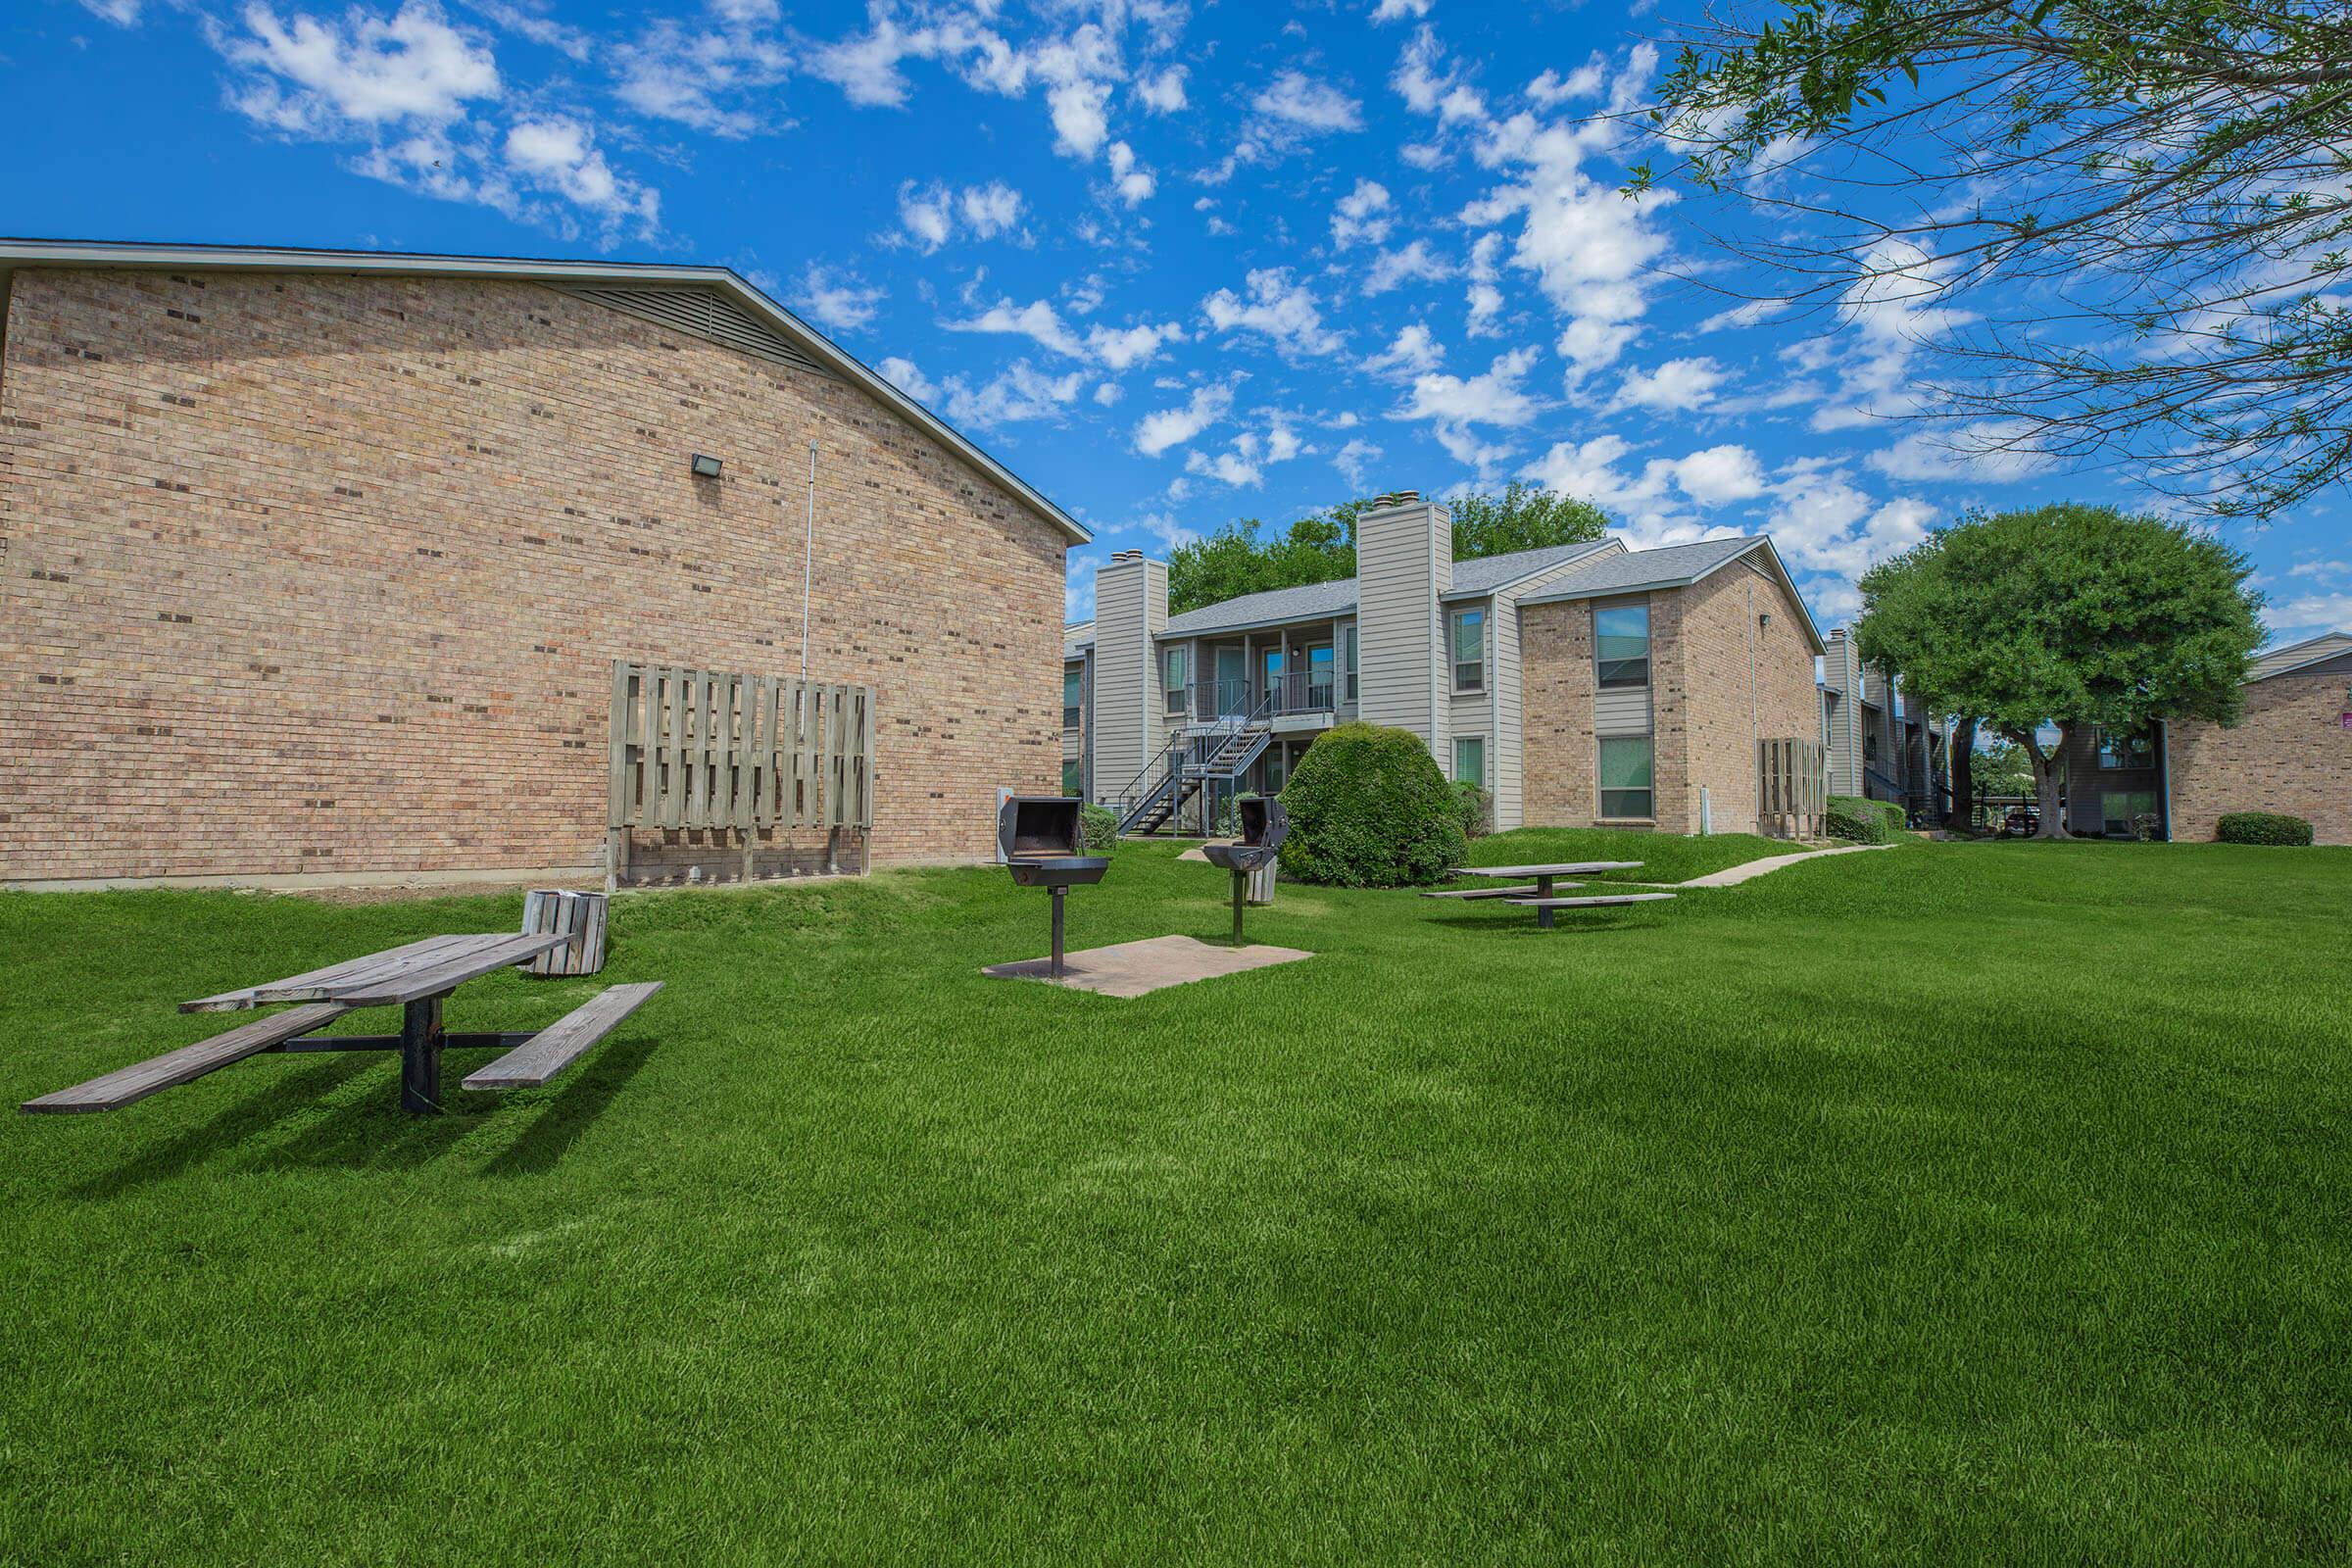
(1098,828)
(1855,820)
(2261,827)
(1369,808)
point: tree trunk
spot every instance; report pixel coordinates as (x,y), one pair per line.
(2049,778)
(1960,769)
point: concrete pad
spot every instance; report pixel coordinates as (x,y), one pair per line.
(1137,969)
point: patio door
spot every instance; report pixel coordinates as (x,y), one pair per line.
(1319,667)
(1232,683)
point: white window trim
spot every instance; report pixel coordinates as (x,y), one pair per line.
(1486,651)
(1485,761)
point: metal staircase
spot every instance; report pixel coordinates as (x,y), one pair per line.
(1216,754)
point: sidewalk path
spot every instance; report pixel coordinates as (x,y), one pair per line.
(1730,876)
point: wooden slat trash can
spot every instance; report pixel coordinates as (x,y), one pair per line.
(551,911)
(1261,883)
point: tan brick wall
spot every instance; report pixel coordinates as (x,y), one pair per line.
(1555,664)
(1704,717)
(310,575)
(2290,753)
(1709,711)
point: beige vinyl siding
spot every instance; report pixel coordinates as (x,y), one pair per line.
(1405,563)
(1130,605)
(1621,711)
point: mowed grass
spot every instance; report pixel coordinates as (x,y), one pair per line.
(1954,1204)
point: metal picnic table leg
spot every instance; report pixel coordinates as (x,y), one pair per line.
(420,1036)
(1544,890)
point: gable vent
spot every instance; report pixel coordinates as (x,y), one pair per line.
(705,313)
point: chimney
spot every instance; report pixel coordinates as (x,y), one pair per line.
(1131,607)
(1404,569)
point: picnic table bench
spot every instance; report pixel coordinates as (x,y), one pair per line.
(1538,894)
(417,978)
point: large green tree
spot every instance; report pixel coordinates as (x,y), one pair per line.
(2071,614)
(1242,558)
(2126,222)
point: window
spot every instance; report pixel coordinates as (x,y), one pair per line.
(1318,677)
(1275,770)
(2117,809)
(1347,664)
(1073,698)
(1174,663)
(1073,778)
(1625,777)
(2126,751)
(1621,644)
(1469,649)
(1470,759)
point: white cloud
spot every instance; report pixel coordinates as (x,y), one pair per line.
(560,155)
(1363,213)
(1172,534)
(1162,94)
(121,12)
(1282,310)
(1454,406)
(866,66)
(1121,348)
(316,79)
(1134,185)
(1080,118)
(1888,311)
(1236,465)
(697,76)
(1552,89)
(1400,10)
(1037,321)
(1019,394)
(1717,476)
(2314,612)
(1985,452)
(990,210)
(1593,250)
(1413,353)
(1677,386)
(841,303)
(926,214)
(1297,99)
(1354,460)
(1173,427)
(1394,269)
(2325,569)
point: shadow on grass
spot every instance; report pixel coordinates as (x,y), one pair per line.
(226,1130)
(1568,924)
(559,1125)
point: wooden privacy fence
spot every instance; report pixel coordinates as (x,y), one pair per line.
(733,753)
(1792,788)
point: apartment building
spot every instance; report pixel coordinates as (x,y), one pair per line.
(1583,685)
(1882,744)
(319,562)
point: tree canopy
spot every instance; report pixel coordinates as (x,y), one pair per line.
(2125,221)
(1240,557)
(2069,614)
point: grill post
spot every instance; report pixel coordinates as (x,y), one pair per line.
(1059,892)
(1240,885)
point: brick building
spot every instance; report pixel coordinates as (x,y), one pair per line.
(314,566)
(1582,684)
(2290,750)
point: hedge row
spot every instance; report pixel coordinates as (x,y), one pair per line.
(1861,821)
(2262,827)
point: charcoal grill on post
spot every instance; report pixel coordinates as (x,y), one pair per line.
(1041,839)
(1264,825)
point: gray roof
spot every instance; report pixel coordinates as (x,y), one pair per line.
(1314,600)
(1077,636)
(34,253)
(1668,567)
(2295,655)
(1325,601)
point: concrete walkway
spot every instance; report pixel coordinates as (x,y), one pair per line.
(1730,876)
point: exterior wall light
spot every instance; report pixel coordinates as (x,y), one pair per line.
(704,467)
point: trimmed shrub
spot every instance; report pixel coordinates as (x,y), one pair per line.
(1476,808)
(1854,819)
(1098,828)
(1897,819)
(1369,808)
(2261,827)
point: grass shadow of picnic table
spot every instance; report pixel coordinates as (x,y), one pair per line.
(1568,924)
(227,1128)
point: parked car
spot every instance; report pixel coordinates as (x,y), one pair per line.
(2022,822)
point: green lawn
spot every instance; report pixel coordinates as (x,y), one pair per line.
(1956,1203)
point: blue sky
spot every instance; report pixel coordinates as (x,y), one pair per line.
(1172,264)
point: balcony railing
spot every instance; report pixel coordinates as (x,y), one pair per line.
(1299,692)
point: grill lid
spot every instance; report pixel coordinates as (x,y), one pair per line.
(1031,827)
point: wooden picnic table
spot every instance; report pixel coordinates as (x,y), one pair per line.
(1539,895)
(417,978)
